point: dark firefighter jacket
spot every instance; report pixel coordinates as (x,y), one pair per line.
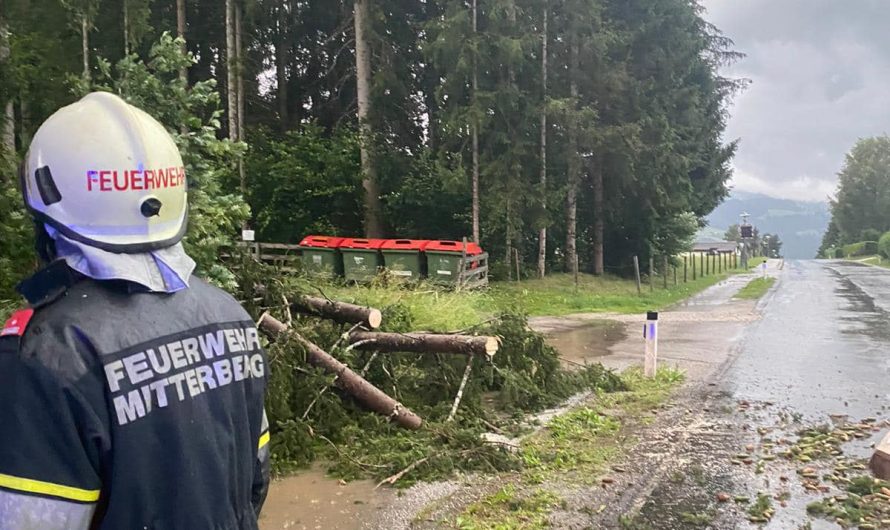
(127,410)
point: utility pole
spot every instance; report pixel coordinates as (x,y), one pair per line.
(746,231)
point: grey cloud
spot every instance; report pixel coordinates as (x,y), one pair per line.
(820,73)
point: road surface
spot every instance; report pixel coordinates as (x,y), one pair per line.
(814,350)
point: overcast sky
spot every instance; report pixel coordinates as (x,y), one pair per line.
(820,79)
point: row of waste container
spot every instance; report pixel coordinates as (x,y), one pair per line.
(360,260)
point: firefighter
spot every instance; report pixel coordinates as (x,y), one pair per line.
(131,391)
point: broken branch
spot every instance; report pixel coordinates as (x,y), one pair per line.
(339,311)
(426,343)
(352,383)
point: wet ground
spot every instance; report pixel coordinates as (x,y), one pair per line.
(311,500)
(816,354)
(813,350)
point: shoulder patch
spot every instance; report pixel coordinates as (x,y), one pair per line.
(17,323)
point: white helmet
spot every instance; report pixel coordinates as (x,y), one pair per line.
(105,173)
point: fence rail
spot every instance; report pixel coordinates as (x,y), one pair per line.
(278,254)
(474,272)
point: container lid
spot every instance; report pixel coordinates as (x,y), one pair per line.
(404,244)
(357,242)
(453,246)
(321,241)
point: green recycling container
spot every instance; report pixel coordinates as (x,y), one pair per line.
(361,258)
(444,259)
(320,256)
(403,258)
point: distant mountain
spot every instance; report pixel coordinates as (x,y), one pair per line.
(800,225)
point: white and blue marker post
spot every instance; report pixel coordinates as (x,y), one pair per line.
(650,334)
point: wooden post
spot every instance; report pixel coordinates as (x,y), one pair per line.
(664,270)
(719,258)
(685,276)
(675,276)
(694,268)
(707,258)
(651,273)
(637,274)
(463,264)
(516,258)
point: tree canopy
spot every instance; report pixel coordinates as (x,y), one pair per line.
(266,94)
(861,208)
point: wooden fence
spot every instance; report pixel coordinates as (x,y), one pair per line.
(474,274)
(280,255)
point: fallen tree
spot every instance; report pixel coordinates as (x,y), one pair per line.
(338,311)
(364,392)
(424,343)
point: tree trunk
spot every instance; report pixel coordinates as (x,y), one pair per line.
(508,238)
(339,311)
(180,32)
(542,235)
(7,132)
(424,343)
(239,84)
(574,167)
(475,133)
(239,73)
(25,124)
(281,66)
(352,383)
(231,66)
(598,218)
(373,209)
(511,172)
(126,27)
(85,44)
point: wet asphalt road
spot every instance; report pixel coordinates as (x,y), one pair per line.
(823,344)
(818,351)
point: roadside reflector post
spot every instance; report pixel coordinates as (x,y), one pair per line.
(650,334)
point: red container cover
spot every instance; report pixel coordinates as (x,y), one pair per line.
(321,241)
(404,244)
(453,246)
(357,242)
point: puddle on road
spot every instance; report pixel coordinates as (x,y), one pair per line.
(311,500)
(588,342)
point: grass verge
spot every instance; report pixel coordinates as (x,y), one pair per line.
(556,294)
(876,261)
(575,448)
(755,288)
(435,309)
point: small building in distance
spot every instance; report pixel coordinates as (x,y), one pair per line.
(715,247)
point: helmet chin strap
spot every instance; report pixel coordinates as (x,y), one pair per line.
(43,243)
